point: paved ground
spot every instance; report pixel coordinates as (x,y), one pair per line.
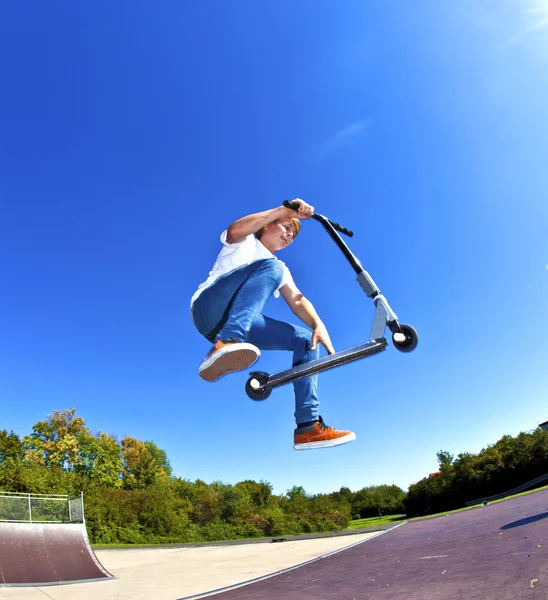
(170,573)
(494,552)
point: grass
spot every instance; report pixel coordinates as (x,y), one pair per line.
(375,521)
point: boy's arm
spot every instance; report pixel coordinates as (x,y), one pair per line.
(303,308)
(245,226)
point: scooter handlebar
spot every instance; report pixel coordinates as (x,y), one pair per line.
(295,206)
(292,205)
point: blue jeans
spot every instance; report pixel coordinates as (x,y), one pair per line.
(232,308)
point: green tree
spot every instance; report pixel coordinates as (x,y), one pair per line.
(159,457)
(296,496)
(57,441)
(101,459)
(445,459)
(139,469)
(12,449)
(235,503)
(12,452)
(387,499)
(260,493)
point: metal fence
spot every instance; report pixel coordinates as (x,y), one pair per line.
(41,508)
(516,490)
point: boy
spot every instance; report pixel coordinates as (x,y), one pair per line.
(227,309)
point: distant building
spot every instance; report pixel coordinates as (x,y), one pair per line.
(544,426)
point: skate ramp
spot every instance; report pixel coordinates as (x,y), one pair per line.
(37,554)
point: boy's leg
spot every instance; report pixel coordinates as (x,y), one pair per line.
(270,334)
(227,308)
(234,308)
(224,312)
(311,431)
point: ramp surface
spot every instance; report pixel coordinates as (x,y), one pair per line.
(47,553)
(495,552)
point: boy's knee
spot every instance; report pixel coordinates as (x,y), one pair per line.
(271,267)
(304,340)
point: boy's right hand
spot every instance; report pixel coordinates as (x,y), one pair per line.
(305,210)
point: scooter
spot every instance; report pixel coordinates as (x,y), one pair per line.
(405,338)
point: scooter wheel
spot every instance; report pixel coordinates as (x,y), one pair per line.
(257,387)
(411,339)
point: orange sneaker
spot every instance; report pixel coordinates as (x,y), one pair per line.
(227,357)
(320,435)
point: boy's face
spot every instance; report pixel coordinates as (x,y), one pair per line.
(278,235)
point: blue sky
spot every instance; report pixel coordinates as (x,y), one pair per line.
(134,133)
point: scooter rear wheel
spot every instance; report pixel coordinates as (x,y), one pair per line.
(411,339)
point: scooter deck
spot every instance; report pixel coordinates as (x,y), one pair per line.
(328,362)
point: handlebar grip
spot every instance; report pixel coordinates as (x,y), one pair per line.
(291,204)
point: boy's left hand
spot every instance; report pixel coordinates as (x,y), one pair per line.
(320,335)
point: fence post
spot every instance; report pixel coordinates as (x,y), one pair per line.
(30,509)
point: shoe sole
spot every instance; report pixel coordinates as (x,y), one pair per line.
(229,361)
(326,443)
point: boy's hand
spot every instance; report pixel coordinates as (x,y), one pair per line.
(305,210)
(320,335)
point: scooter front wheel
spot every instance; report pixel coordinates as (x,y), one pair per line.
(410,341)
(257,387)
